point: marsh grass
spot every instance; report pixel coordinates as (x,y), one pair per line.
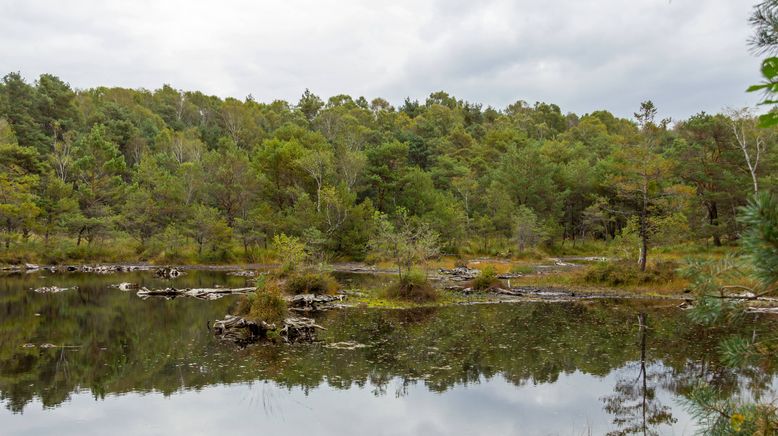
(311,283)
(487,279)
(413,287)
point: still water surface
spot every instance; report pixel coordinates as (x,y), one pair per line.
(126,366)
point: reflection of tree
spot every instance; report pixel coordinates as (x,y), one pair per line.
(634,404)
(125,344)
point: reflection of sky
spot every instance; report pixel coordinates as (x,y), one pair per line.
(570,406)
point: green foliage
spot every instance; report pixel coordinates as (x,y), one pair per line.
(731,416)
(408,242)
(760,240)
(711,311)
(527,232)
(720,415)
(265,304)
(486,279)
(96,165)
(291,250)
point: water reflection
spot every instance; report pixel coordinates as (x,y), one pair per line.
(552,367)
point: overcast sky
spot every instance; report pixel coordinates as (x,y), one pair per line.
(685,55)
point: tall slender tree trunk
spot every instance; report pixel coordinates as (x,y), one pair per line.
(713,220)
(644,230)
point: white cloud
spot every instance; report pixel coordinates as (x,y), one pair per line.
(685,55)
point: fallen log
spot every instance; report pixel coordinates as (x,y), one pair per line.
(768,310)
(103,269)
(53,289)
(460,273)
(201,293)
(509,292)
(242,273)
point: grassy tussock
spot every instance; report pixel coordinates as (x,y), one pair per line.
(414,287)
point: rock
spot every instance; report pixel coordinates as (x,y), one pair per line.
(167,272)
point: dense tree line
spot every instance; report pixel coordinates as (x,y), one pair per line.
(174,169)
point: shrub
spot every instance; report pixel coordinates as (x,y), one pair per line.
(487,279)
(290,250)
(311,283)
(628,273)
(413,286)
(264,304)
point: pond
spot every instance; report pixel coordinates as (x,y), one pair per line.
(97,360)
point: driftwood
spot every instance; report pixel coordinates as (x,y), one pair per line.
(53,289)
(201,293)
(769,310)
(313,303)
(167,272)
(126,286)
(460,274)
(299,330)
(508,276)
(242,273)
(103,269)
(242,331)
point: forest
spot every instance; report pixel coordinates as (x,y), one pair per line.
(109,174)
